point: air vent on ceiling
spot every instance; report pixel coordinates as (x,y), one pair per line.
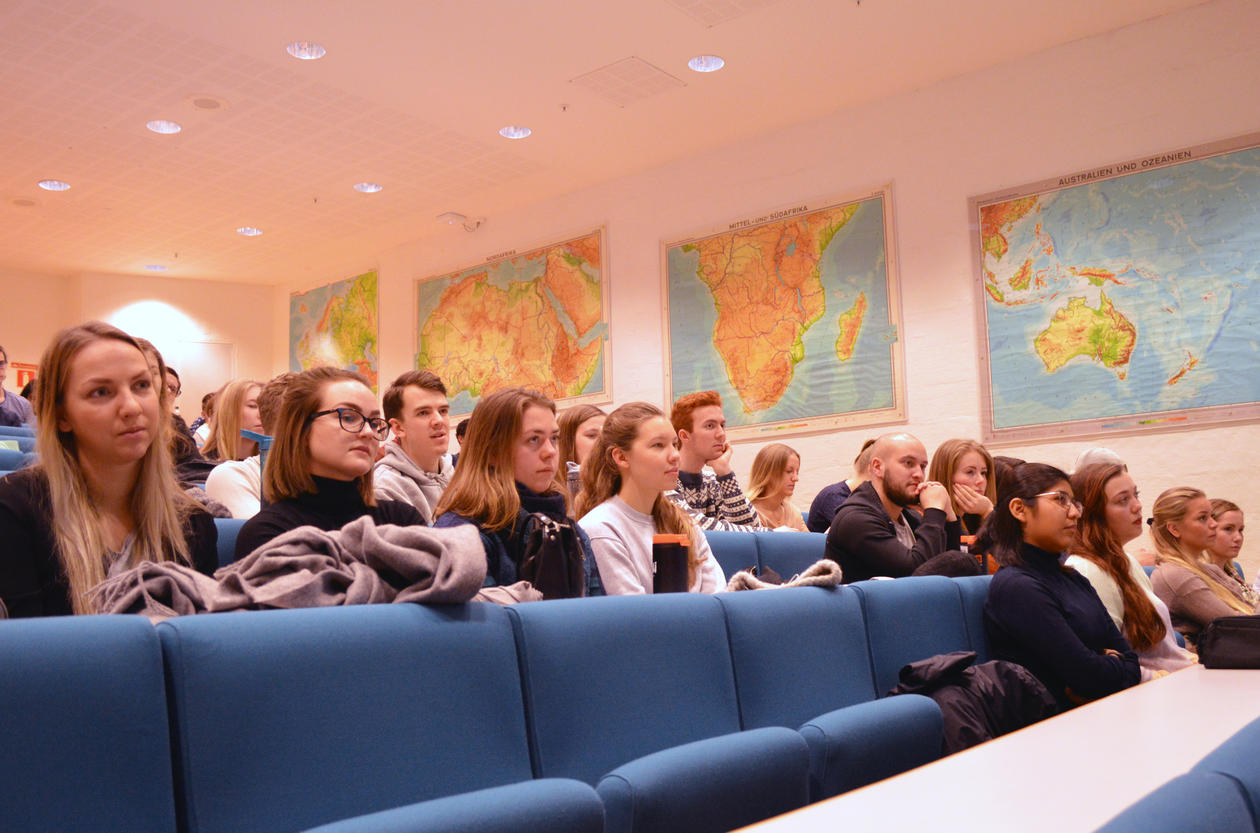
(627,81)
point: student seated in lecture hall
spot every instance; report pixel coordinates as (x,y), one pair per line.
(319,469)
(238,409)
(623,503)
(875,533)
(965,468)
(1188,576)
(237,484)
(579,429)
(823,510)
(775,472)
(1040,614)
(1111,516)
(414,467)
(715,501)
(507,470)
(103,496)
(15,410)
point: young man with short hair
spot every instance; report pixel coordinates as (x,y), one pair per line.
(414,468)
(14,409)
(714,501)
(873,534)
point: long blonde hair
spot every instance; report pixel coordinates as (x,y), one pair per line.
(1171,507)
(768,468)
(483,487)
(601,479)
(945,463)
(158,504)
(225,425)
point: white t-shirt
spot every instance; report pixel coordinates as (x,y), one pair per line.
(622,541)
(237,484)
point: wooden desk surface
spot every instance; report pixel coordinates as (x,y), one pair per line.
(1068,774)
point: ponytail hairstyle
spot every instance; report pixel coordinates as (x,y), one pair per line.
(158,504)
(570,420)
(601,478)
(1098,544)
(1005,533)
(225,424)
(288,470)
(945,463)
(1172,506)
(483,487)
(768,468)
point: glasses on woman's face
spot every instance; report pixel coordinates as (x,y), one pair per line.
(353,421)
(1064,500)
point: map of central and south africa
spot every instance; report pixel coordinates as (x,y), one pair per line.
(535,320)
(336,325)
(1132,295)
(788,319)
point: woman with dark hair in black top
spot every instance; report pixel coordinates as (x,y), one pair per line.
(1041,614)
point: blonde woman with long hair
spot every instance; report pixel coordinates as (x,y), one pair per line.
(1195,588)
(775,472)
(506,472)
(103,496)
(236,409)
(623,504)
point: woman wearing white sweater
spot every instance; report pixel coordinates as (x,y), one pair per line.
(622,503)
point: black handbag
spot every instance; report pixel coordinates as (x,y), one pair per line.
(1231,642)
(552,559)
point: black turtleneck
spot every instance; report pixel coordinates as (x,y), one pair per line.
(1047,618)
(334,504)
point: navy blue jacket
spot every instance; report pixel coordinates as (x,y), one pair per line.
(1048,618)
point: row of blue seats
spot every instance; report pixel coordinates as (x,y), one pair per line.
(17,448)
(1221,794)
(681,711)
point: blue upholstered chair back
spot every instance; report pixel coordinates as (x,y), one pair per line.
(974,590)
(608,680)
(12,460)
(789,553)
(798,652)
(7,431)
(1239,757)
(1197,802)
(284,720)
(734,551)
(910,619)
(228,529)
(83,729)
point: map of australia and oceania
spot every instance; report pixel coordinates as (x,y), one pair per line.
(1131,295)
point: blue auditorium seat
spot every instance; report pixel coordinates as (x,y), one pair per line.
(609,681)
(801,660)
(909,619)
(734,551)
(556,805)
(1239,757)
(790,553)
(7,431)
(974,590)
(1197,802)
(84,743)
(284,720)
(228,529)
(11,460)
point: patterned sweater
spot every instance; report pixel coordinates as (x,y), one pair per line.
(715,502)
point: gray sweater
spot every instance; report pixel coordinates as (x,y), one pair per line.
(397,477)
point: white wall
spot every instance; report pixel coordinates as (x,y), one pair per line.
(1176,81)
(32,308)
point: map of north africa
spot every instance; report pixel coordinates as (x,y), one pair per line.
(534,320)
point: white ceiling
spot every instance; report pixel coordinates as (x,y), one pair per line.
(411,95)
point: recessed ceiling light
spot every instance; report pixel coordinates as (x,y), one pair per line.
(249,231)
(513,131)
(54,185)
(156,267)
(163,126)
(305,50)
(451,217)
(367,187)
(706,63)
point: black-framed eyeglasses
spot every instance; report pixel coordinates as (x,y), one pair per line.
(353,421)
(1064,500)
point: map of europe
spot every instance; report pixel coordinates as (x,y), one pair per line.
(535,319)
(336,325)
(788,317)
(1127,298)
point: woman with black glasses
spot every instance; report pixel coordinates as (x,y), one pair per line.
(319,469)
(1041,614)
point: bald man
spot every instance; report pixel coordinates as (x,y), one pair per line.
(873,534)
